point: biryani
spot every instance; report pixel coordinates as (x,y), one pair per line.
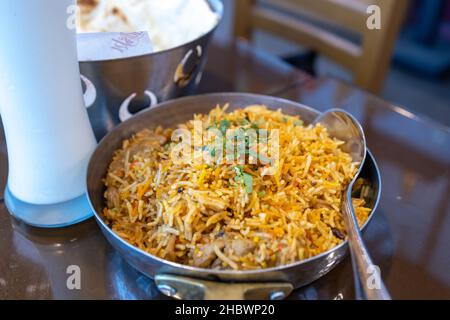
(228,214)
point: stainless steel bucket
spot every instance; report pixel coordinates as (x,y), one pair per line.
(188,282)
(119,88)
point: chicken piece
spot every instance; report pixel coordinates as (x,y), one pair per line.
(170,249)
(141,148)
(116,167)
(206,254)
(112,197)
(145,142)
(241,247)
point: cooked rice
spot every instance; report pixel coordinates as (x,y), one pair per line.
(201,215)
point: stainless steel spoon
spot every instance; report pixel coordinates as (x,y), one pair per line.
(345,127)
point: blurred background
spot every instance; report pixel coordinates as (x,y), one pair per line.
(327,38)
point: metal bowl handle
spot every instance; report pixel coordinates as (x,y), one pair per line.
(90,94)
(182,77)
(186,288)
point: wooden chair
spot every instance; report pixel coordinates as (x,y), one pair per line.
(367,59)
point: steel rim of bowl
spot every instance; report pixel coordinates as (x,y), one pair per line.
(213,272)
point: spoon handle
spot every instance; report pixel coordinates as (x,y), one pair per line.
(369,274)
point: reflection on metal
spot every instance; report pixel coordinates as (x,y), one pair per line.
(124,112)
(198,78)
(277,295)
(90,94)
(404,112)
(339,296)
(167,290)
(183,77)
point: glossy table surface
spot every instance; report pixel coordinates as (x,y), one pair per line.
(409,238)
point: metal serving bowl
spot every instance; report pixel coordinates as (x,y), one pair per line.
(116,89)
(182,281)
